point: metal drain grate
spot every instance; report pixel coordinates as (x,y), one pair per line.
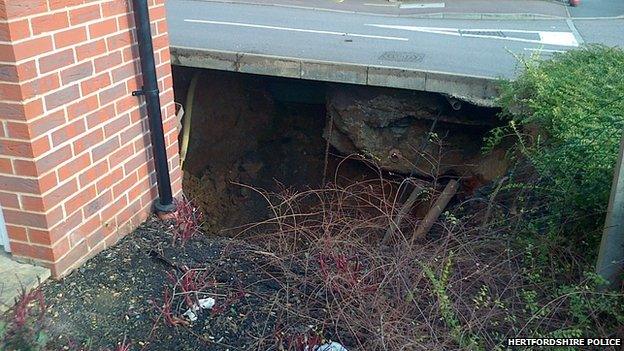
(401,56)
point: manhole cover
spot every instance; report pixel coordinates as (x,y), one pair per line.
(401,56)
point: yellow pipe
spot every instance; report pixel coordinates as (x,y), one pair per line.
(186,126)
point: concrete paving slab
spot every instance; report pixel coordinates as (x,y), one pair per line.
(14,276)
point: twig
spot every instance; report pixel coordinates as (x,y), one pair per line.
(407,206)
(432,216)
(486,218)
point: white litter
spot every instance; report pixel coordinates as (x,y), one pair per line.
(190,314)
(332,346)
(203,304)
(206,303)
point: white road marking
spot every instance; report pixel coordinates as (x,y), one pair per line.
(545,37)
(542,50)
(380,5)
(435,5)
(249,25)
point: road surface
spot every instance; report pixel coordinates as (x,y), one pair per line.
(484,48)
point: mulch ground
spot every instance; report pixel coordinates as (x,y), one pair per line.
(116,295)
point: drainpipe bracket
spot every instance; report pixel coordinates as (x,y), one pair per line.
(145,92)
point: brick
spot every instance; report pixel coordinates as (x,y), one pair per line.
(119,40)
(5,166)
(66,225)
(136,161)
(156,13)
(13,31)
(40,146)
(116,126)
(130,53)
(165,56)
(17,233)
(18,130)
(10,91)
(125,21)
(49,22)
(53,159)
(15,148)
(18,184)
(27,219)
(60,193)
(59,4)
(68,132)
(107,62)
(32,47)
(138,189)
(105,149)
(97,204)
(14,9)
(6,53)
(82,107)
(92,173)
(77,201)
(90,49)
(73,167)
(41,237)
(115,7)
(131,133)
(161,27)
(57,60)
(32,203)
(40,85)
(113,209)
(103,28)
(100,116)
(25,168)
(9,200)
(46,123)
(161,41)
(124,185)
(75,257)
(84,14)
(62,97)
(17,73)
(124,72)
(120,155)
(134,83)
(109,179)
(96,83)
(113,93)
(78,72)
(85,142)
(47,182)
(8,73)
(126,103)
(70,37)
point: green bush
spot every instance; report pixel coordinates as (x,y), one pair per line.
(568,115)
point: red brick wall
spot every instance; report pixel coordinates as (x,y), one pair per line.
(76,169)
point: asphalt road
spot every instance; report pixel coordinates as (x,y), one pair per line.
(487,48)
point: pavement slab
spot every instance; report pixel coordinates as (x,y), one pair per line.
(15,276)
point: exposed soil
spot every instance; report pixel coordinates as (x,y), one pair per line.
(115,295)
(249,133)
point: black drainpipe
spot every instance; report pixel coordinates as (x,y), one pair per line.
(164,203)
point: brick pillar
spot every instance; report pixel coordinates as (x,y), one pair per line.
(76,166)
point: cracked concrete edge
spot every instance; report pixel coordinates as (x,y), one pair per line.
(474,89)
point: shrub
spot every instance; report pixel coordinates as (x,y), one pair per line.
(568,115)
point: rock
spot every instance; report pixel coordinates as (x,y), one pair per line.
(413,132)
